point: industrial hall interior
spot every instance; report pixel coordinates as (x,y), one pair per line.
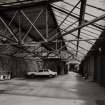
(52,52)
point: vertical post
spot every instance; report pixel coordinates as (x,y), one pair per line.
(19,28)
(46,22)
(81,20)
(56,44)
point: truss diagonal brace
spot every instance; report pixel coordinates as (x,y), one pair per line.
(79,27)
(69,14)
(33,25)
(85,24)
(95,25)
(9,29)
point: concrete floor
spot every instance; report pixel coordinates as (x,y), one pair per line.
(68,89)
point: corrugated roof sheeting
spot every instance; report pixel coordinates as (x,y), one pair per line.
(94,9)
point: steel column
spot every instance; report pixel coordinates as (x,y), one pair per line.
(19,37)
(46,22)
(81,19)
